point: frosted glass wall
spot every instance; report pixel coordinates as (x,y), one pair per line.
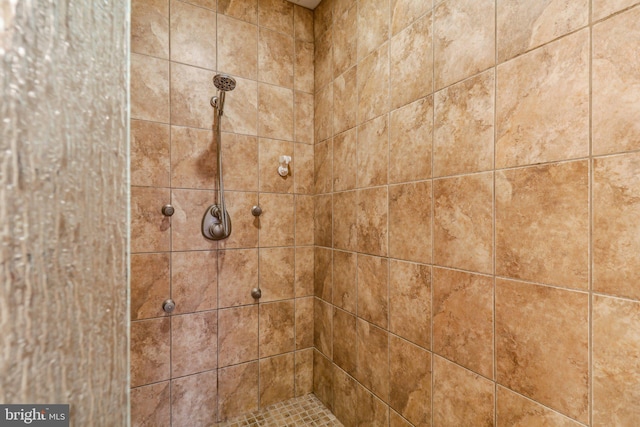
(64,206)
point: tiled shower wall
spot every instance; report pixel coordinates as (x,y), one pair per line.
(220,353)
(476,215)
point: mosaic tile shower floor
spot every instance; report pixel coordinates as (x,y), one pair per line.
(299,412)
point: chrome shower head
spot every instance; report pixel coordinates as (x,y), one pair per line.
(224,82)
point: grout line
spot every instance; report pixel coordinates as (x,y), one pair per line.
(591,227)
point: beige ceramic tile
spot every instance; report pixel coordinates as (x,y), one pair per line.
(463,319)
(241,108)
(372,366)
(604,8)
(150,230)
(277,329)
(323,379)
(410,381)
(277,15)
(545,116)
(275,112)
(323,111)
(207,4)
(303,67)
(186,222)
(247,10)
(304,323)
(542,224)
(150,284)
(193,35)
(344,340)
(344,159)
(277,379)
(464,126)
(323,220)
(149,88)
(194,343)
(237,275)
(410,302)
(150,27)
(238,390)
(345,37)
(323,279)
(460,397)
(191,92)
(616,206)
(304,271)
(404,12)
(303,23)
(194,281)
(345,399)
(323,166)
(523,25)
(344,284)
(373,290)
(373,152)
(463,222)
(275,58)
(542,336)
(193,158)
(237,335)
(412,62)
(410,221)
(616,345)
(340,7)
(151,405)
(322,327)
(305,209)
(244,225)
(304,371)
(323,59)
(345,218)
(277,273)
(410,141)
(277,223)
(150,351)
(240,162)
(395,420)
(303,169)
(194,399)
(149,154)
(373,25)
(616,83)
(237,48)
(373,84)
(372,221)
(515,410)
(303,116)
(269,154)
(322,17)
(371,410)
(464,39)
(345,101)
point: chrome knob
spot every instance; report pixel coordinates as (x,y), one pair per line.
(256,211)
(168,210)
(168,306)
(256,293)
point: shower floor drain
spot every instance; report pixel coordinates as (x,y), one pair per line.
(299,412)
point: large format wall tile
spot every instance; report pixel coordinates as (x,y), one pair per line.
(345,37)
(515,410)
(372,152)
(149,152)
(194,343)
(150,230)
(193,35)
(237,335)
(345,101)
(542,104)
(323,59)
(277,379)
(240,168)
(237,48)
(237,275)
(410,233)
(186,222)
(404,12)
(345,405)
(150,27)
(275,58)
(150,283)
(616,206)
(193,158)
(372,368)
(616,84)
(247,10)
(345,282)
(542,337)
(373,25)
(542,224)
(373,290)
(194,399)
(604,8)
(277,328)
(151,405)
(372,221)
(373,84)
(149,88)
(194,281)
(150,351)
(238,390)
(410,302)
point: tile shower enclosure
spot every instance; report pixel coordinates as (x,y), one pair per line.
(455,244)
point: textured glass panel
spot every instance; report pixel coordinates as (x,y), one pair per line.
(64,206)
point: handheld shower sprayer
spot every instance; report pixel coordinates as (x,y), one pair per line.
(216,224)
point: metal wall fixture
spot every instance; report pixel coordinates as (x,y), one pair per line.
(283,168)
(216,223)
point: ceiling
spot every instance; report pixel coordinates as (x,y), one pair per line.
(311,4)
